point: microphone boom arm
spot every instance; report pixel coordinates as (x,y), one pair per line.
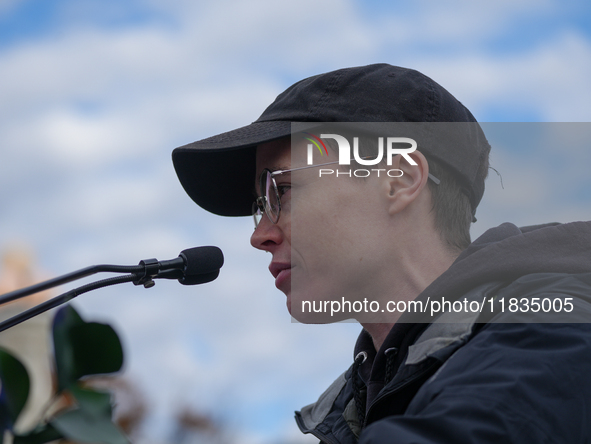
(62,299)
(66,278)
(193,266)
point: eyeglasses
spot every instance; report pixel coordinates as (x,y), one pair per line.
(270,202)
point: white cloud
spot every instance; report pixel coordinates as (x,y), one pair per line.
(547,81)
(462,23)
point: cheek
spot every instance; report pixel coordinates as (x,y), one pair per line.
(323,233)
(338,235)
(313,217)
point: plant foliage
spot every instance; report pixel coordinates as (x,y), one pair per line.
(81,349)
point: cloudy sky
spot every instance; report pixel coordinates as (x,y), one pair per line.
(94,95)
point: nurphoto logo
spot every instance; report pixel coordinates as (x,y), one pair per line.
(344,148)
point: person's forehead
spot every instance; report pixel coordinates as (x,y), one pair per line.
(274,155)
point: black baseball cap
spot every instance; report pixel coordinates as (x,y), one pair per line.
(218,173)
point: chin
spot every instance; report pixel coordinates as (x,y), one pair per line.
(302,309)
(316,318)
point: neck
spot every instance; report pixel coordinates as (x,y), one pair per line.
(378,332)
(414,274)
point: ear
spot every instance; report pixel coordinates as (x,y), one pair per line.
(406,189)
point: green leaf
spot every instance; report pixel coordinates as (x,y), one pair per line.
(83,348)
(40,435)
(14,391)
(81,427)
(93,402)
(97,349)
(63,321)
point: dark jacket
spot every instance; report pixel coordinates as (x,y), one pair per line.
(494,376)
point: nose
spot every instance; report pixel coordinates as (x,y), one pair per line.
(267,235)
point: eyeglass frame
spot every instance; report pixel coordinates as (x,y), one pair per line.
(261,205)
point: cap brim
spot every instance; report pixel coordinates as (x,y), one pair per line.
(218,173)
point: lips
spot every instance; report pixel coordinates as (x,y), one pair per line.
(281,271)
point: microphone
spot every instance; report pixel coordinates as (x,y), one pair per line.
(202,264)
(193,266)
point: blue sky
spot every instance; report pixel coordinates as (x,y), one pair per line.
(96,94)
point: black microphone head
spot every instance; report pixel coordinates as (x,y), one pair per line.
(202,264)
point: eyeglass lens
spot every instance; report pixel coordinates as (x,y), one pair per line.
(270,199)
(272,206)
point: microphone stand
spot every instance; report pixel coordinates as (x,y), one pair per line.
(62,299)
(142,274)
(66,278)
(193,266)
